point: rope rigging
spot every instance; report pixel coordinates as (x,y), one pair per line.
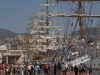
(86,24)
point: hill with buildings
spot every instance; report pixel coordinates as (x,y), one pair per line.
(4,33)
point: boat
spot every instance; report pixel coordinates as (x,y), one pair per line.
(42,41)
(77,18)
(83,48)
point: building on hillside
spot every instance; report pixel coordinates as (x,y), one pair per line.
(15,43)
(12,56)
(3,50)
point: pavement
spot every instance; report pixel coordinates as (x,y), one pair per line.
(68,73)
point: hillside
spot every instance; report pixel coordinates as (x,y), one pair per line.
(6,34)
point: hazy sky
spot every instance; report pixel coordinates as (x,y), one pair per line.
(15,13)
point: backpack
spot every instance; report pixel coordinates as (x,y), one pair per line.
(83,67)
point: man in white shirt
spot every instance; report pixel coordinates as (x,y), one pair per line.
(29,69)
(64,69)
(21,70)
(36,68)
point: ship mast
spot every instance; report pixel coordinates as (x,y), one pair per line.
(80,14)
(47,23)
(80,20)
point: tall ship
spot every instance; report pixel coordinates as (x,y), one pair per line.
(81,41)
(82,18)
(43,37)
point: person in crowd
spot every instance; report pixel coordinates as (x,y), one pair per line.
(71,67)
(84,69)
(26,69)
(55,69)
(1,68)
(90,70)
(41,67)
(76,70)
(51,68)
(29,69)
(12,69)
(46,69)
(42,72)
(63,68)
(81,69)
(59,68)
(18,69)
(36,69)
(32,69)
(7,70)
(21,69)
(4,68)
(68,67)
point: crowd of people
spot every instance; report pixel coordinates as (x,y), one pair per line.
(42,69)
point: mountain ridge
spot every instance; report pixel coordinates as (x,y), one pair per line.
(4,33)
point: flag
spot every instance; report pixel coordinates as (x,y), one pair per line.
(70,45)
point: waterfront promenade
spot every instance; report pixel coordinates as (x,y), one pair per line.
(68,73)
(40,69)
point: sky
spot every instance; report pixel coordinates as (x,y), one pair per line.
(15,13)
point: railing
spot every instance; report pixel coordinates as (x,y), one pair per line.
(79,60)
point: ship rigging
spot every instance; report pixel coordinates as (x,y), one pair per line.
(42,36)
(85,41)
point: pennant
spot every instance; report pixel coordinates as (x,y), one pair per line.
(70,45)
